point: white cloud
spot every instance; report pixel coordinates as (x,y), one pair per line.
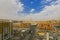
(49,13)
(48,0)
(45,1)
(32,10)
(9,8)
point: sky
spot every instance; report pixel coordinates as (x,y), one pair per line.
(30,9)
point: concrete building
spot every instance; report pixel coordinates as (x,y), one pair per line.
(5,29)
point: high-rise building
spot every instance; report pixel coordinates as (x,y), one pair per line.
(5,29)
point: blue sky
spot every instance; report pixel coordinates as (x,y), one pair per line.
(35,6)
(30,9)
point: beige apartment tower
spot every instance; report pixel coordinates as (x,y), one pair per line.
(5,29)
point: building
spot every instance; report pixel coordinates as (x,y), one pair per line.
(45,25)
(5,29)
(19,25)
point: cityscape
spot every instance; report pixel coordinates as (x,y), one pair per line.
(29,19)
(29,30)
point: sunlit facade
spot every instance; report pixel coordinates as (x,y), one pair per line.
(6,29)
